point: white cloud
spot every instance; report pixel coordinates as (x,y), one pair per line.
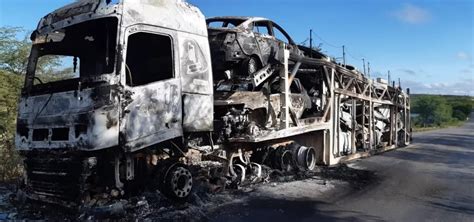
(463,56)
(408,71)
(462,87)
(412,14)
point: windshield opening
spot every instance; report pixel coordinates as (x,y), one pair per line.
(82,50)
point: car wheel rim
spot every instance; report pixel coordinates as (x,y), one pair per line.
(181,182)
(252,66)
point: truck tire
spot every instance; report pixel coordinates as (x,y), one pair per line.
(177,182)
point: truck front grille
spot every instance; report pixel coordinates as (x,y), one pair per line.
(53,177)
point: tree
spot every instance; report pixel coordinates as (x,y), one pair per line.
(14,52)
(462,106)
(10,166)
(9,91)
(459,115)
(432,110)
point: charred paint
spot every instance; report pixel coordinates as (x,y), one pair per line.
(157,104)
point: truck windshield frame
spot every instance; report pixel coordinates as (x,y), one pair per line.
(92,44)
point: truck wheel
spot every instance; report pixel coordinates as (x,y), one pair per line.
(283,159)
(178,182)
(250,66)
(308,155)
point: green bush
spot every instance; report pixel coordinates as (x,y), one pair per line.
(432,110)
(459,115)
(11,163)
(10,166)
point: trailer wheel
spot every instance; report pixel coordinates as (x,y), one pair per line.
(304,157)
(310,158)
(178,182)
(283,159)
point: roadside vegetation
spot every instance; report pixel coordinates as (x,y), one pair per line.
(436,111)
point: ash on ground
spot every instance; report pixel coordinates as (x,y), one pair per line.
(210,193)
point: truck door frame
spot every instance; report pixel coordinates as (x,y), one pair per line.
(157,105)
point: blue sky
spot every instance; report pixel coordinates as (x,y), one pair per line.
(428,44)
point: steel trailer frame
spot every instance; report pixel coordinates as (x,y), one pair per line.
(325,132)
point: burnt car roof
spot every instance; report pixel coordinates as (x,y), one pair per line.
(237,17)
(246,20)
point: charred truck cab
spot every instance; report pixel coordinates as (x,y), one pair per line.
(142,83)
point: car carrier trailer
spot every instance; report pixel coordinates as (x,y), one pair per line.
(145,101)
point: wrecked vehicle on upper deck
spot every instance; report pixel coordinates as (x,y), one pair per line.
(243,45)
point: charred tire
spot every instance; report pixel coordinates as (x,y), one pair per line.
(250,65)
(306,158)
(283,159)
(177,181)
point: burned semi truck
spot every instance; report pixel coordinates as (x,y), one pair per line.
(141,103)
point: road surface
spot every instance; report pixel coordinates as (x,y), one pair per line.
(431,180)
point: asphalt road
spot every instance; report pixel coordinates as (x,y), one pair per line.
(431,180)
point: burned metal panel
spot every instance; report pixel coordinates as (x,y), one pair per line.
(192,64)
(230,47)
(198,113)
(251,100)
(152,107)
(84,119)
(266,46)
(195,68)
(78,12)
(171,14)
(153,113)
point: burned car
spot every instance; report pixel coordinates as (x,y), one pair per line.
(245,44)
